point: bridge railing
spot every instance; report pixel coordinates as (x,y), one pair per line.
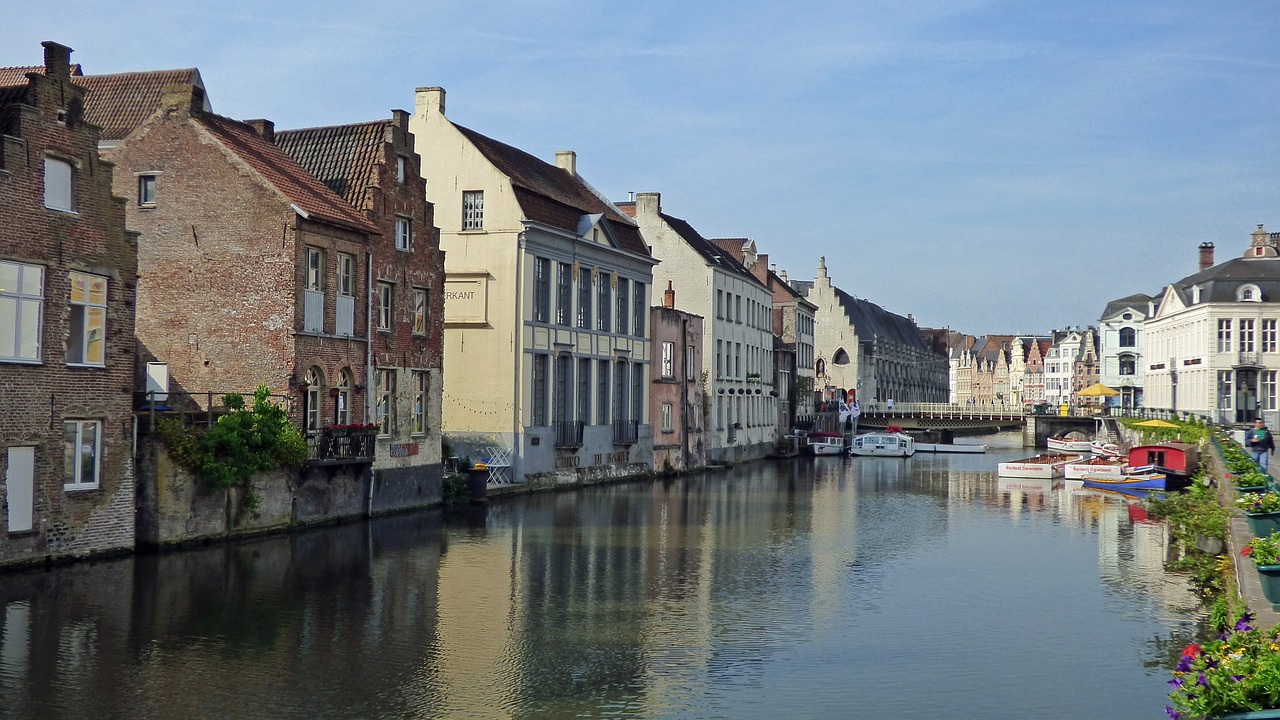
(946,410)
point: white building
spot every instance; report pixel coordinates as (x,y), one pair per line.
(1121,331)
(737,330)
(547,296)
(1211,346)
(1059,366)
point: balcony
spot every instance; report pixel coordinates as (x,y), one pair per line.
(625,433)
(1248,359)
(338,446)
(568,433)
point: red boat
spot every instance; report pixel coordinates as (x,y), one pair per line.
(1176,459)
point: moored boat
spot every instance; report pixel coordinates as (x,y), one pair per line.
(1069,444)
(1178,460)
(1140,481)
(1105,449)
(1097,466)
(826,443)
(1046,466)
(885,443)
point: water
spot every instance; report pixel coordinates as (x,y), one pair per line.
(829,587)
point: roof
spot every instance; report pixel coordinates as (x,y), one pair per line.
(704,247)
(306,192)
(870,320)
(18,75)
(1221,282)
(120,103)
(343,157)
(551,195)
(1137,301)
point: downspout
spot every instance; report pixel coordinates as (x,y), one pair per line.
(368,365)
(517,330)
(684,393)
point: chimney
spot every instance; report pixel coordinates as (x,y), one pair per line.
(648,204)
(783,274)
(567,160)
(669,297)
(429,100)
(57,60)
(185,99)
(265,128)
(400,118)
(1206,255)
(911,318)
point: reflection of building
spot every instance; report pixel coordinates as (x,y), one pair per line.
(67,274)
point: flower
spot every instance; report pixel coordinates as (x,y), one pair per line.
(1246,551)
(1232,674)
(1191,650)
(1256,503)
(1263,550)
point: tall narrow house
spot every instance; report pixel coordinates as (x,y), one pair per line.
(68,269)
(547,296)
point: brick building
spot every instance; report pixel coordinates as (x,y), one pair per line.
(68,270)
(373,166)
(675,398)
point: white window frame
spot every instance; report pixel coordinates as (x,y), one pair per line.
(1224,335)
(315,269)
(1245,327)
(75,480)
(1268,335)
(404,233)
(401,167)
(668,359)
(386,293)
(12,302)
(346,274)
(59,184)
(86,309)
(419,402)
(666,417)
(472,210)
(421,311)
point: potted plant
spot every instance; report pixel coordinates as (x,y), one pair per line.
(1251,482)
(1265,554)
(1232,677)
(1262,511)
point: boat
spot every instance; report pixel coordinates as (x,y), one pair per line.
(826,443)
(1177,460)
(1069,444)
(1098,467)
(894,444)
(1045,466)
(949,448)
(1145,481)
(1105,449)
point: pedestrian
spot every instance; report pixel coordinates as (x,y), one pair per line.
(1261,444)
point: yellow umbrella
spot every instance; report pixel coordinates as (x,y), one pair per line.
(1155,424)
(1098,390)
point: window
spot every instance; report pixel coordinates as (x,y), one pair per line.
(87,339)
(1246,335)
(564,294)
(538,415)
(1269,335)
(638,309)
(602,392)
(404,233)
(668,359)
(1269,390)
(346,275)
(314,386)
(1128,365)
(637,392)
(342,401)
(604,299)
(690,372)
(584,391)
(21,302)
(737,360)
(541,289)
(384,406)
(473,210)
(82,445)
(562,384)
(419,402)
(620,391)
(146,190)
(1224,389)
(666,417)
(315,268)
(720,304)
(623,304)
(1224,336)
(737,310)
(58,185)
(419,311)
(584,298)
(400,169)
(1128,337)
(719,361)
(384,305)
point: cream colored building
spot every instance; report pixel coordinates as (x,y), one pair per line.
(547,295)
(742,413)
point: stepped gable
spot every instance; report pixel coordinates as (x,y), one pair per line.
(18,75)
(281,171)
(869,320)
(343,157)
(119,103)
(553,196)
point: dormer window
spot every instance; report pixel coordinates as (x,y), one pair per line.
(1195,294)
(1249,293)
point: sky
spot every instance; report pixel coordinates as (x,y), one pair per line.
(991,167)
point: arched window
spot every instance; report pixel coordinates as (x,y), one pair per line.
(342,399)
(314,382)
(841,357)
(821,368)
(1128,337)
(1249,293)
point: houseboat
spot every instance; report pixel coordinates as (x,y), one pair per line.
(1045,467)
(826,443)
(1178,460)
(894,444)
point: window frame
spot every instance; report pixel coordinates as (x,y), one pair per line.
(421,311)
(668,359)
(386,301)
(346,275)
(638,308)
(76,481)
(564,294)
(472,210)
(418,424)
(541,290)
(147,190)
(20,298)
(88,305)
(384,395)
(404,233)
(585,301)
(51,161)
(604,301)
(314,280)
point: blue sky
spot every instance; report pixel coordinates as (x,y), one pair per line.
(987,166)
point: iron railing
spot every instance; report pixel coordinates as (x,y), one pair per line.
(625,433)
(342,445)
(568,433)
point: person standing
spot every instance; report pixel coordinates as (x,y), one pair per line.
(1261,444)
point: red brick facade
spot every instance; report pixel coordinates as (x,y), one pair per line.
(72,395)
(676,411)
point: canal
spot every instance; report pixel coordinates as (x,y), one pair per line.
(814,588)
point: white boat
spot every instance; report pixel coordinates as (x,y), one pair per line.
(1044,467)
(1105,449)
(949,448)
(1066,444)
(1097,467)
(826,443)
(885,443)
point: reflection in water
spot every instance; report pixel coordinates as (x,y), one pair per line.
(872,587)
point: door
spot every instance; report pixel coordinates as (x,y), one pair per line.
(1246,395)
(19,482)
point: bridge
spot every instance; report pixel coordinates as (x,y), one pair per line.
(946,419)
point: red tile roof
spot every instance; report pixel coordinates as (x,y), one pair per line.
(18,75)
(281,171)
(120,103)
(550,195)
(343,157)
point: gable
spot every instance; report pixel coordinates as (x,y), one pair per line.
(1170,303)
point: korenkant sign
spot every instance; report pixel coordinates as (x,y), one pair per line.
(466,300)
